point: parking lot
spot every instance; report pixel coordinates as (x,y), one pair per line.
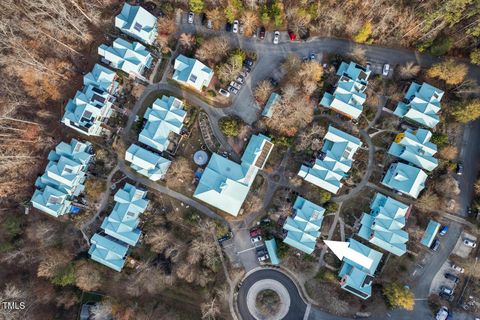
(461,249)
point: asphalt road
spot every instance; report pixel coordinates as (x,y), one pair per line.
(298,307)
(469,156)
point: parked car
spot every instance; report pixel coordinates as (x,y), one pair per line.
(236,85)
(276,37)
(256,239)
(224,92)
(469,243)
(232,90)
(386,69)
(442,314)
(255,232)
(261,251)
(459,168)
(235,26)
(368,66)
(435,245)
(263,258)
(190,17)
(443,230)
(446,296)
(209,24)
(246,69)
(228,27)
(243,74)
(312,56)
(292,35)
(446,290)
(225,237)
(240,79)
(451,277)
(273,82)
(262,33)
(248,62)
(458,268)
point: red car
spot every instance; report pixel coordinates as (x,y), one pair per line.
(255,232)
(292,36)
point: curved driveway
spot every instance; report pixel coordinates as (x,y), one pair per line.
(298,307)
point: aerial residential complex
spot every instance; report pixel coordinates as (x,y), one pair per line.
(405,179)
(149,164)
(91,107)
(421,105)
(358,269)
(129,57)
(334,161)
(349,94)
(415,147)
(303,226)
(165,117)
(120,228)
(191,72)
(63,179)
(240,147)
(384,225)
(138,23)
(225,184)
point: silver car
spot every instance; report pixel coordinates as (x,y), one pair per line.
(276,37)
(190,17)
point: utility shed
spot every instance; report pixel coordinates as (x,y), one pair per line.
(430,233)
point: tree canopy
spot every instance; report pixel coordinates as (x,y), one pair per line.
(466,111)
(450,71)
(398,296)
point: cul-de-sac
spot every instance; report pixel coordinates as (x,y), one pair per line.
(239,159)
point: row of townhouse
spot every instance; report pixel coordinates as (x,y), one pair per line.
(63,180)
(91,107)
(120,229)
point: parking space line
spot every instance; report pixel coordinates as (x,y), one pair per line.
(239,252)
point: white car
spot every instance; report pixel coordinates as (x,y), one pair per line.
(263,258)
(256,239)
(235,26)
(224,92)
(190,17)
(386,69)
(276,37)
(458,268)
(469,243)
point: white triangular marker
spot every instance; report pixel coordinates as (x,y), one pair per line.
(342,250)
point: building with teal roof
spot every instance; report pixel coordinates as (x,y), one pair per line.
(303,227)
(224,184)
(191,72)
(405,178)
(415,147)
(64,177)
(92,106)
(349,95)
(122,223)
(147,163)
(130,57)
(357,277)
(137,23)
(430,233)
(384,225)
(108,251)
(103,78)
(334,161)
(421,105)
(270,105)
(271,245)
(165,117)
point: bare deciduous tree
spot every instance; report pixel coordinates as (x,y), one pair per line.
(263,90)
